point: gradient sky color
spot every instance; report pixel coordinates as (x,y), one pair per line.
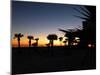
(41,19)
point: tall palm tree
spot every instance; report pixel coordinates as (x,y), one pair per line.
(18,36)
(60,39)
(51,38)
(30,38)
(88,32)
(89,25)
(37,39)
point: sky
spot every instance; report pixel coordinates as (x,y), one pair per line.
(42,19)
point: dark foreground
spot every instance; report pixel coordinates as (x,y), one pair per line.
(45,59)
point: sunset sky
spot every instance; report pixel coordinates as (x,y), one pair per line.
(41,19)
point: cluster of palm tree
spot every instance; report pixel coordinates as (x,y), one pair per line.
(18,36)
(50,37)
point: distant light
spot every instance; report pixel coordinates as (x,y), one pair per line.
(75,44)
(77,38)
(89,45)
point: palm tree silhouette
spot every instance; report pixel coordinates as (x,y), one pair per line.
(18,36)
(60,39)
(30,38)
(88,32)
(65,42)
(70,33)
(37,39)
(51,38)
(89,25)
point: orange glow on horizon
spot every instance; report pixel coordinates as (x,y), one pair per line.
(41,43)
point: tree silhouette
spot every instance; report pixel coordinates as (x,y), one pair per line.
(60,39)
(71,34)
(30,38)
(88,33)
(89,25)
(51,38)
(65,42)
(18,36)
(37,41)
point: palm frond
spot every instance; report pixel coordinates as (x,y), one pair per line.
(63,30)
(86,11)
(84,14)
(81,17)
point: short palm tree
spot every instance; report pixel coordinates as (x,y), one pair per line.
(37,39)
(30,38)
(60,39)
(51,38)
(65,42)
(18,36)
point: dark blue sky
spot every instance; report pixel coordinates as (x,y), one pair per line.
(43,18)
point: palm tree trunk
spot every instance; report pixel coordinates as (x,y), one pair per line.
(29,43)
(52,43)
(18,43)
